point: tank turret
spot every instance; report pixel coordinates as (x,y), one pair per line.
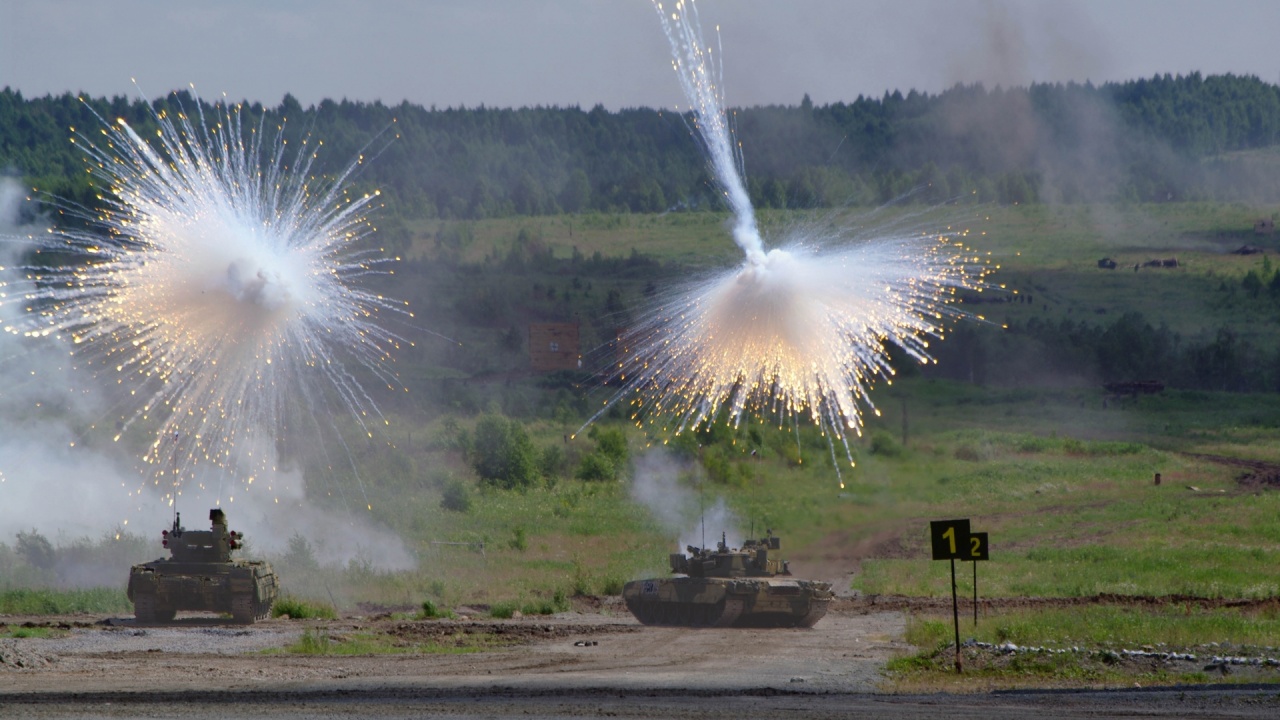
(201,575)
(752,560)
(214,545)
(724,586)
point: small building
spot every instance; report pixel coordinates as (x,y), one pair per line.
(554,346)
(1264,226)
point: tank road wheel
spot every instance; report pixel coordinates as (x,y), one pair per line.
(242,609)
(730,609)
(144,608)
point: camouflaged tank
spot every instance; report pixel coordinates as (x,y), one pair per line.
(202,576)
(747,587)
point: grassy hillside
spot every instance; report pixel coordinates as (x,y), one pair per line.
(1057,472)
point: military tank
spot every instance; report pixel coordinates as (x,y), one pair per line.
(201,575)
(725,587)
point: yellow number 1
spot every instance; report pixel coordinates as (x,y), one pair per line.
(950,535)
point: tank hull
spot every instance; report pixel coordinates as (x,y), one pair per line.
(728,602)
(244,589)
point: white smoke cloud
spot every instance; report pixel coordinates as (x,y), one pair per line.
(661,483)
(61,475)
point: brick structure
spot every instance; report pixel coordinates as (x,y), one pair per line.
(554,346)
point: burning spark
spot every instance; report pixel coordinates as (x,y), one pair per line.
(800,330)
(216,287)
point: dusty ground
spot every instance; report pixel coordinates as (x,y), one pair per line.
(566,651)
(596,663)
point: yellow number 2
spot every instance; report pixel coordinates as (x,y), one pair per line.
(976,543)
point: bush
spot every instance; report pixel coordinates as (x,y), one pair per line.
(559,602)
(456,497)
(312,642)
(885,445)
(36,550)
(552,463)
(300,555)
(610,442)
(298,609)
(502,453)
(431,611)
(502,610)
(596,467)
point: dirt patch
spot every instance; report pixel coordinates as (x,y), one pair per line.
(502,633)
(1255,474)
(845,652)
(838,556)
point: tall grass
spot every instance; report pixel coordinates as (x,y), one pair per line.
(48,601)
(1109,627)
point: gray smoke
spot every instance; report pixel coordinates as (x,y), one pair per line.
(670,488)
(63,477)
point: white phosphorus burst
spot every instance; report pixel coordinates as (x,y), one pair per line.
(217,288)
(798,330)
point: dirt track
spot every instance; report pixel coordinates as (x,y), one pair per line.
(592,664)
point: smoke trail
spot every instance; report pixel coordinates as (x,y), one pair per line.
(799,330)
(699,72)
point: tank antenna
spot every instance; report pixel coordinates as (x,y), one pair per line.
(702,509)
(174,485)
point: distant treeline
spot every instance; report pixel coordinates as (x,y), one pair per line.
(1168,138)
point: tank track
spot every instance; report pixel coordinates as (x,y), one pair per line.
(817,609)
(656,612)
(246,610)
(147,610)
(724,614)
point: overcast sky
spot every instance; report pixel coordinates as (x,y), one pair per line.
(583,52)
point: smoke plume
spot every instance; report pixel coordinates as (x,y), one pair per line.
(663,482)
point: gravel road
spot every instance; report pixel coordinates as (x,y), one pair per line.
(599,664)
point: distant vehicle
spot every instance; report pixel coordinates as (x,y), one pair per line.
(1134,389)
(202,576)
(747,587)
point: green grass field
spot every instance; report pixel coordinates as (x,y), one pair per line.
(1060,476)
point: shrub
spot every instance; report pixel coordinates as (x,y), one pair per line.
(518,540)
(885,445)
(312,642)
(36,550)
(552,463)
(300,555)
(430,611)
(559,602)
(596,467)
(456,497)
(502,453)
(612,585)
(298,609)
(610,442)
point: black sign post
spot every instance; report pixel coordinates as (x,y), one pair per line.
(950,539)
(977,551)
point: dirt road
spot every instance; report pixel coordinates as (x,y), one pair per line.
(598,664)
